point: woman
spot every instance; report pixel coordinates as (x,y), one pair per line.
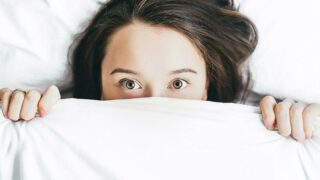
(166,48)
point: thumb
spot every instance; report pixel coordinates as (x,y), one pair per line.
(49,98)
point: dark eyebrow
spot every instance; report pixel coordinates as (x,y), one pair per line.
(184,70)
(121,70)
(128,71)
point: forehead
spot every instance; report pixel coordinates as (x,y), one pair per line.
(140,46)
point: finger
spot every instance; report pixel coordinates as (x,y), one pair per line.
(283,117)
(5,95)
(15,105)
(30,105)
(296,120)
(267,106)
(310,113)
(49,98)
(2,91)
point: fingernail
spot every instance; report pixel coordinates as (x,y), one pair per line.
(42,113)
(269,126)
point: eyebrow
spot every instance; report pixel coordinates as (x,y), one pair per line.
(184,70)
(128,71)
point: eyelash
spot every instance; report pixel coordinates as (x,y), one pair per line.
(171,83)
(123,81)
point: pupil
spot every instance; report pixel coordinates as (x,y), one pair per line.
(130,85)
(177,84)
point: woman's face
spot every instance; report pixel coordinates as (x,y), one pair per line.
(147,61)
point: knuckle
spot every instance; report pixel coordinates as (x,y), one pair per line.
(297,109)
(6,94)
(5,98)
(4,90)
(17,96)
(32,95)
(298,106)
(53,88)
(281,107)
(294,111)
(306,115)
(267,99)
(289,101)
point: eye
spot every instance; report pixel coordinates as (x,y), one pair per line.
(179,84)
(129,84)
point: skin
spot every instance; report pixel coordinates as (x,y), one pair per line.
(146,49)
(20,105)
(147,61)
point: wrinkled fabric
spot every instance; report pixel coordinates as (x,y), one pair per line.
(152,138)
(35,37)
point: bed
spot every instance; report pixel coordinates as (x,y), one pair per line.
(156,138)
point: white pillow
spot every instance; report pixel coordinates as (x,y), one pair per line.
(286,63)
(34,40)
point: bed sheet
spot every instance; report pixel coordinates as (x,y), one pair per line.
(152,138)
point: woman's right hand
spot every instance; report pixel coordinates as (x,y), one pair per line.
(20,105)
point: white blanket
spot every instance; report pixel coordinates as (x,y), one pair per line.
(150,139)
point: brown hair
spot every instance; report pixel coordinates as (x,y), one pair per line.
(224,37)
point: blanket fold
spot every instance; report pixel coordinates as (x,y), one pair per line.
(152,138)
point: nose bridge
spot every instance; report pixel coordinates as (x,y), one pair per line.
(154,91)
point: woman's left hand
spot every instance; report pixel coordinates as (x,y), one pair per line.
(291,118)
